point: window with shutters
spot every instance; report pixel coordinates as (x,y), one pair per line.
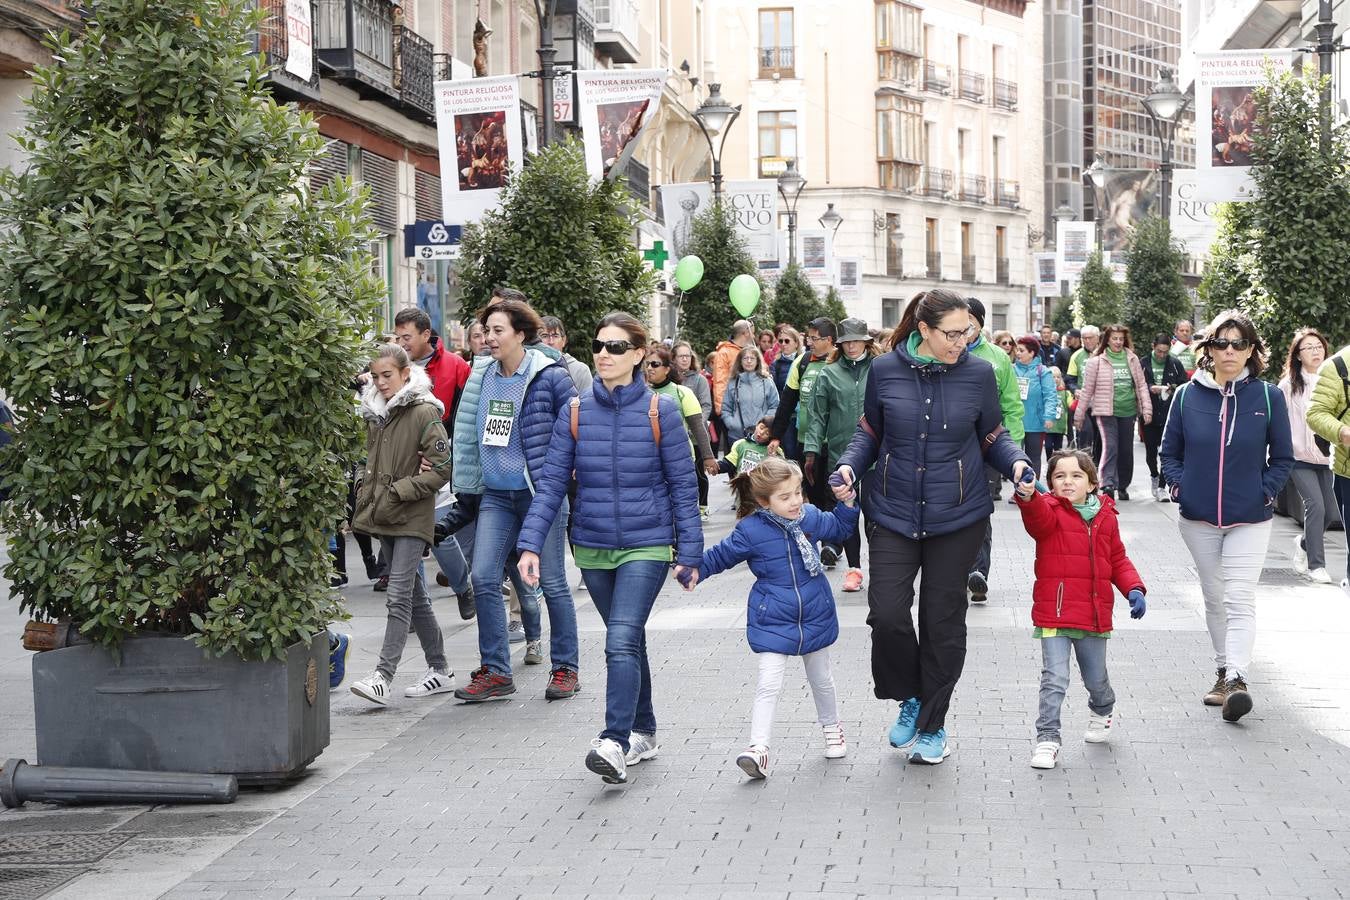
(381,175)
(428,189)
(331,164)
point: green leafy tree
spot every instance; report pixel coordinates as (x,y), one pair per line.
(1061,319)
(1232,263)
(795,300)
(179,323)
(1155,295)
(563,239)
(1098,300)
(834,305)
(706,313)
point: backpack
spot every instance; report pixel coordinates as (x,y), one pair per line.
(653,416)
(1322,443)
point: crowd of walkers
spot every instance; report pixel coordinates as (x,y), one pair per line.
(501,463)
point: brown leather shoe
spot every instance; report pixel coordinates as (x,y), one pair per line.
(1217,693)
(1238,700)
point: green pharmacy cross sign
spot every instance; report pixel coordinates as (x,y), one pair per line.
(657,256)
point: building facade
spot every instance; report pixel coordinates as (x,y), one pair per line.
(911,120)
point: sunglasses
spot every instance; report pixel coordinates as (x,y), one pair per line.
(613,348)
(785,340)
(1238,344)
(655,364)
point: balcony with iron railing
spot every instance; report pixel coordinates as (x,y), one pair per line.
(968,268)
(272,40)
(616,29)
(972,86)
(1007,193)
(934,264)
(937,78)
(442,69)
(934,182)
(355,40)
(1005,93)
(414,73)
(1004,275)
(777,61)
(973,188)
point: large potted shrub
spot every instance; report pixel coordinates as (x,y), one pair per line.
(179,321)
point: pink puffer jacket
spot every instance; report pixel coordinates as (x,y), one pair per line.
(1098,395)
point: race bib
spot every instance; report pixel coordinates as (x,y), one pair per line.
(501,418)
(1023,386)
(750,457)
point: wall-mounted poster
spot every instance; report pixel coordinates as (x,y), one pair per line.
(479,131)
(1047,275)
(615,105)
(1225,82)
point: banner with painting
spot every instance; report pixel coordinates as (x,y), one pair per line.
(816,256)
(754,204)
(1075,242)
(849,277)
(1047,275)
(1131,194)
(478,126)
(614,106)
(1225,82)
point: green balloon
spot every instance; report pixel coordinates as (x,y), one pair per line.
(688,272)
(744,292)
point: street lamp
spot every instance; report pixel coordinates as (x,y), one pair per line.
(714,116)
(1165,106)
(830,220)
(790,187)
(1096,176)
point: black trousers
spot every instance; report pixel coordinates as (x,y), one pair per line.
(1152,441)
(984,554)
(1032,443)
(702,488)
(928,664)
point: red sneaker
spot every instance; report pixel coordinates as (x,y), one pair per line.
(486,685)
(562,685)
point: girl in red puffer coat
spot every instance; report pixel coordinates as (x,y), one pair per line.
(1079,556)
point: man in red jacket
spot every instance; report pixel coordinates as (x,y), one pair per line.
(448,372)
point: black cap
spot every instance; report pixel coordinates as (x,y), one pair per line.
(824,326)
(976,309)
(1074,333)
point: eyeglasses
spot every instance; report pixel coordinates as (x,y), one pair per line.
(550,335)
(1238,344)
(955,336)
(1309,348)
(655,364)
(613,348)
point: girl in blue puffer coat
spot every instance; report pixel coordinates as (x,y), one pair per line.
(791,609)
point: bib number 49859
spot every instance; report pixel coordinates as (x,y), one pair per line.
(501,419)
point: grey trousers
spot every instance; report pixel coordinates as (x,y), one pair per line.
(1091,653)
(1320,511)
(407,602)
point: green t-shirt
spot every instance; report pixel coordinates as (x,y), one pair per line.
(745,454)
(802,379)
(593,558)
(1076,363)
(1062,423)
(1076,634)
(1158,368)
(1124,402)
(1185,353)
(689,406)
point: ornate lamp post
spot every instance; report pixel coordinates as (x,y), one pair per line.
(714,117)
(790,186)
(1096,176)
(1165,107)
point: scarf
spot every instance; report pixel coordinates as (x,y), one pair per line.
(1089,509)
(793,527)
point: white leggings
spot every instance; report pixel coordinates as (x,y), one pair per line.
(1229,562)
(771,668)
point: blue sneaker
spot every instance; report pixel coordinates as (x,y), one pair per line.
(337,659)
(931,748)
(905,729)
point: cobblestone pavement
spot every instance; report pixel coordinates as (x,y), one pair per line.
(439,799)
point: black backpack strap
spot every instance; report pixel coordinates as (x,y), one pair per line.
(1339,362)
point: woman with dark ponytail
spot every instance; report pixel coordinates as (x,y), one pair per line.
(931,422)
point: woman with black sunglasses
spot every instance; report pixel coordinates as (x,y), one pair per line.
(637,512)
(1226,452)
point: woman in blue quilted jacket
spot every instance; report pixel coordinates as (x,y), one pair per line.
(931,423)
(636,513)
(791,610)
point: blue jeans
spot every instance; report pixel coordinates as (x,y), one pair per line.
(624,597)
(500,516)
(1091,652)
(450,557)
(527,597)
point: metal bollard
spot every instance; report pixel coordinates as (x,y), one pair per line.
(20,782)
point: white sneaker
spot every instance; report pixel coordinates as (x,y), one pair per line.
(1099,728)
(515,631)
(1319,576)
(1045,755)
(835,748)
(375,689)
(606,760)
(534,653)
(431,683)
(641,746)
(755,762)
(1300,556)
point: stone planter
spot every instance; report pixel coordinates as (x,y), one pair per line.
(168,706)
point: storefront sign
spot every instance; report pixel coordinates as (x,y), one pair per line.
(431,240)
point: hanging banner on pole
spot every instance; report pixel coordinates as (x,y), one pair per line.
(850,277)
(1074,243)
(614,106)
(478,126)
(1225,82)
(1194,221)
(299,40)
(815,253)
(754,204)
(1047,275)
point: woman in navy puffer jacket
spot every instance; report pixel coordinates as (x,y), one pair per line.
(637,511)
(931,422)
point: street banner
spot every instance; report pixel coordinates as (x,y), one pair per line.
(1131,194)
(754,203)
(1193,220)
(850,277)
(816,259)
(478,127)
(1074,242)
(1047,275)
(299,40)
(563,110)
(1115,263)
(614,106)
(1224,85)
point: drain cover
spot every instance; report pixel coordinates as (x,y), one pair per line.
(1282,577)
(58,849)
(29,884)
